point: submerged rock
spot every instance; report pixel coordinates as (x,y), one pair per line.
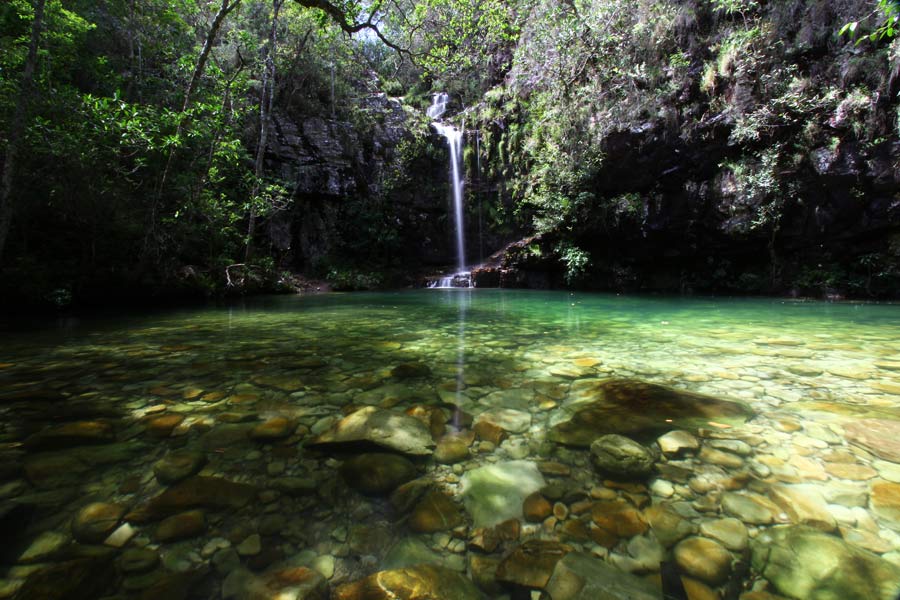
(435,512)
(71,434)
(578,576)
(96,521)
(178,465)
(637,409)
(804,563)
(532,563)
(495,493)
(195,492)
(377,473)
(881,437)
(704,559)
(619,455)
(181,526)
(422,582)
(380,427)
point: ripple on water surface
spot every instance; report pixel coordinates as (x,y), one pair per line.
(187,450)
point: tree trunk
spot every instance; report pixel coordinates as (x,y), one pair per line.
(265,115)
(17,127)
(199,68)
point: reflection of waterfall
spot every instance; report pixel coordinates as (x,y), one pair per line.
(454,141)
(463,300)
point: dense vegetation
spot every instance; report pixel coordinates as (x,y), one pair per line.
(709,145)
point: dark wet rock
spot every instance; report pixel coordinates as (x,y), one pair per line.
(54,468)
(483,570)
(49,545)
(177,586)
(181,526)
(614,521)
(404,498)
(436,511)
(71,434)
(377,473)
(96,521)
(178,465)
(619,455)
(296,486)
(705,559)
(411,371)
(79,579)
(636,409)
(275,428)
(272,524)
(579,576)
(451,449)
(804,563)
(163,425)
(536,508)
(422,582)
(227,435)
(881,437)
(297,583)
(495,493)
(385,428)
(531,564)
(138,560)
(195,492)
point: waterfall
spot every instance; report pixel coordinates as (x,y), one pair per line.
(454,141)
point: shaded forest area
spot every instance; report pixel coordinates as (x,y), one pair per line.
(158,149)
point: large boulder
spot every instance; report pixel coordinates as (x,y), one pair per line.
(636,409)
(805,563)
(379,427)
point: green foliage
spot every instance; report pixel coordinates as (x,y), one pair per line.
(887,25)
(576,262)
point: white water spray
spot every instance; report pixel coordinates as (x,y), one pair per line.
(454,141)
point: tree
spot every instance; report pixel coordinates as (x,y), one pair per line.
(17,128)
(267,98)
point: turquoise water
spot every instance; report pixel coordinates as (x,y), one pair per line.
(810,372)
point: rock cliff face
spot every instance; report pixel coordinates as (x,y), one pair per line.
(763,160)
(371,191)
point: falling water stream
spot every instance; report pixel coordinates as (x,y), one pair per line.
(454,141)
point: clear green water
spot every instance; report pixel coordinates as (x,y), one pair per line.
(807,369)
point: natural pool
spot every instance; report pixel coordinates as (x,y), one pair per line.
(289,447)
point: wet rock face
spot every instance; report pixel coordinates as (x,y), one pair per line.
(636,409)
(178,465)
(96,521)
(801,562)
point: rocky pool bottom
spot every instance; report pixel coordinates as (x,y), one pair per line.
(454,448)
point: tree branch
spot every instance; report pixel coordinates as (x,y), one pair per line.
(350,26)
